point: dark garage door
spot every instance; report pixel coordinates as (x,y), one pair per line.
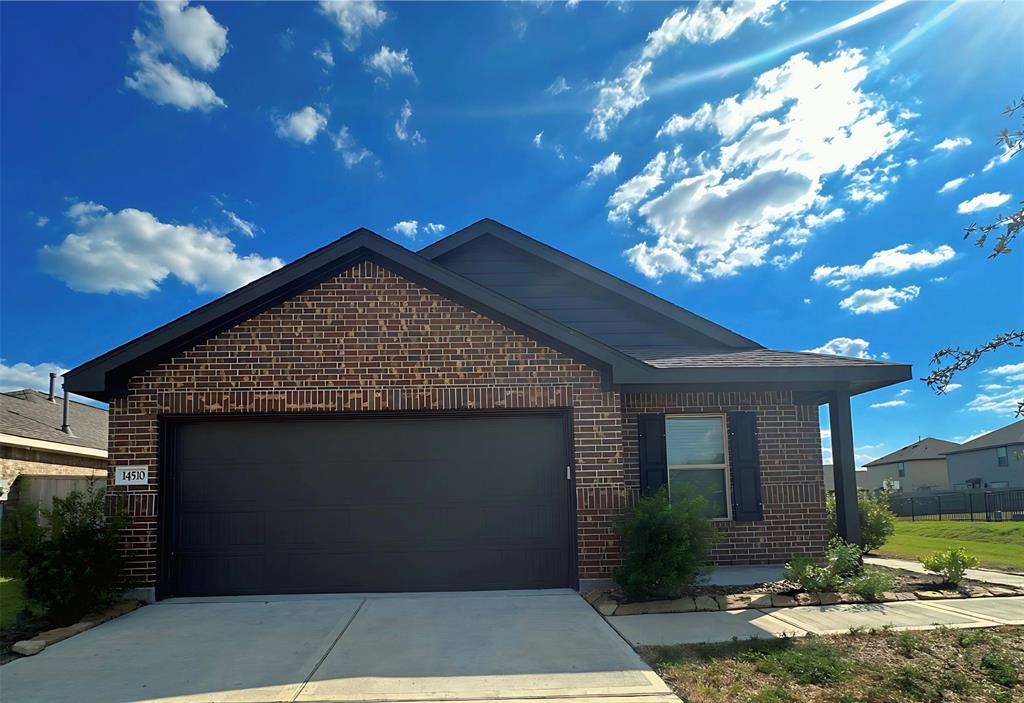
(342,505)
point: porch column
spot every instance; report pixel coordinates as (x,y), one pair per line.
(843,466)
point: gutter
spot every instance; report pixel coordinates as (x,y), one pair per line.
(56,447)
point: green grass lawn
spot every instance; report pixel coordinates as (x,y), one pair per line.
(996,544)
(12,599)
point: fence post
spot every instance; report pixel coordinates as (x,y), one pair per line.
(938,501)
(970,503)
(913,518)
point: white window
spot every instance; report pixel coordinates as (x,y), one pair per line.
(1001,458)
(698,461)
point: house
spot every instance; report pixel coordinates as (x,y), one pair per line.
(916,467)
(38,458)
(473,415)
(830,479)
(994,460)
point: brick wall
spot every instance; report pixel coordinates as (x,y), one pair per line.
(369,340)
(792,482)
(38,462)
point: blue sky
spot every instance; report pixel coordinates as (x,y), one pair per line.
(790,170)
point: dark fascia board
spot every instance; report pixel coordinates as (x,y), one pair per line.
(986,447)
(590,273)
(107,375)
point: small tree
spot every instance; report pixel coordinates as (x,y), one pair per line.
(666,546)
(877,520)
(72,566)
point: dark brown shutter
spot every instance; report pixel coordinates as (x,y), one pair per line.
(745,466)
(653,460)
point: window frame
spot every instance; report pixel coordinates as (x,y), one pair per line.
(901,469)
(726,468)
(1004,460)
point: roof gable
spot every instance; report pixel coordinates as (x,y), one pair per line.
(922,449)
(574,292)
(1011,434)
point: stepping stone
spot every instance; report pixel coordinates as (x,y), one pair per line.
(677,605)
(593,596)
(903,595)
(734,601)
(761,600)
(781,601)
(851,598)
(887,597)
(705,603)
(27,648)
(807,599)
(828,598)
(606,606)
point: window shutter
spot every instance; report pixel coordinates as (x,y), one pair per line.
(653,461)
(745,466)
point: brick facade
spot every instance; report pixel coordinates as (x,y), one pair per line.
(792,482)
(370,340)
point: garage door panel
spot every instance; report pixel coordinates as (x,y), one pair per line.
(371,505)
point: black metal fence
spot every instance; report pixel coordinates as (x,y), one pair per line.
(981,506)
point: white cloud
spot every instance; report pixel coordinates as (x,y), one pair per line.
(845,346)
(433,228)
(889,404)
(352,153)
(1012,372)
(814,220)
(605,167)
(538,138)
(676,124)
(389,63)
(953,184)
(964,439)
(952,387)
(244,226)
(982,202)
(184,32)
(302,125)
(705,23)
(888,262)
(799,125)
(902,392)
(402,126)
(352,17)
(407,228)
(558,86)
(571,4)
(999,159)
(131,251)
(324,54)
(628,194)
(21,375)
(951,143)
(42,221)
(1004,402)
(879,300)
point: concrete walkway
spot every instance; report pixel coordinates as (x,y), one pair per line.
(1003,578)
(721,626)
(482,646)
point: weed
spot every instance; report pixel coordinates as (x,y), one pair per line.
(816,663)
(907,643)
(771,694)
(1001,668)
(969,638)
(914,682)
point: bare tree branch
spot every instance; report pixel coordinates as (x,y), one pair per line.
(956,359)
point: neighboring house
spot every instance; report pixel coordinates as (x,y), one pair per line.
(38,460)
(994,460)
(920,466)
(830,479)
(474,415)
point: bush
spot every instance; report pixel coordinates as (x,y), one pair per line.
(951,564)
(20,528)
(877,520)
(665,546)
(842,562)
(869,584)
(73,564)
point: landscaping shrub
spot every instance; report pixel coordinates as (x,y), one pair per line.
(877,520)
(20,528)
(869,584)
(952,564)
(665,546)
(71,567)
(842,562)
(1001,668)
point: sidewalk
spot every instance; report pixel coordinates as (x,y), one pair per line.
(721,626)
(987,575)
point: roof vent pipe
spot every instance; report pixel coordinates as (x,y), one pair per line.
(65,427)
(53,385)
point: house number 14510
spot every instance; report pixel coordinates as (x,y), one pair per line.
(131,475)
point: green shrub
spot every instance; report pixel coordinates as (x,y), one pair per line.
(952,564)
(869,584)
(665,546)
(842,562)
(72,566)
(1001,668)
(877,520)
(807,664)
(20,528)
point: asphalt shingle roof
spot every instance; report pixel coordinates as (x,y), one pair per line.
(683,357)
(1011,434)
(28,413)
(925,448)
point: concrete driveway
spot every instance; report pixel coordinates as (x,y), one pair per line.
(406,647)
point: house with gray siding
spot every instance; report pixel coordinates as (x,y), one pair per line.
(994,460)
(919,466)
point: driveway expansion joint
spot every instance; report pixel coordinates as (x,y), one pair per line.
(327,652)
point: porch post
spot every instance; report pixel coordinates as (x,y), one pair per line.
(844,466)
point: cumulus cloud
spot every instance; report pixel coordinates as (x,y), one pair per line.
(705,23)
(951,143)
(845,346)
(984,201)
(388,63)
(952,185)
(353,17)
(999,402)
(434,228)
(538,138)
(131,251)
(244,226)
(410,228)
(677,124)
(402,126)
(1012,372)
(558,86)
(800,124)
(999,159)
(42,221)
(878,300)
(352,153)
(888,262)
(324,54)
(889,404)
(183,36)
(302,125)
(952,387)
(625,198)
(605,167)
(21,375)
